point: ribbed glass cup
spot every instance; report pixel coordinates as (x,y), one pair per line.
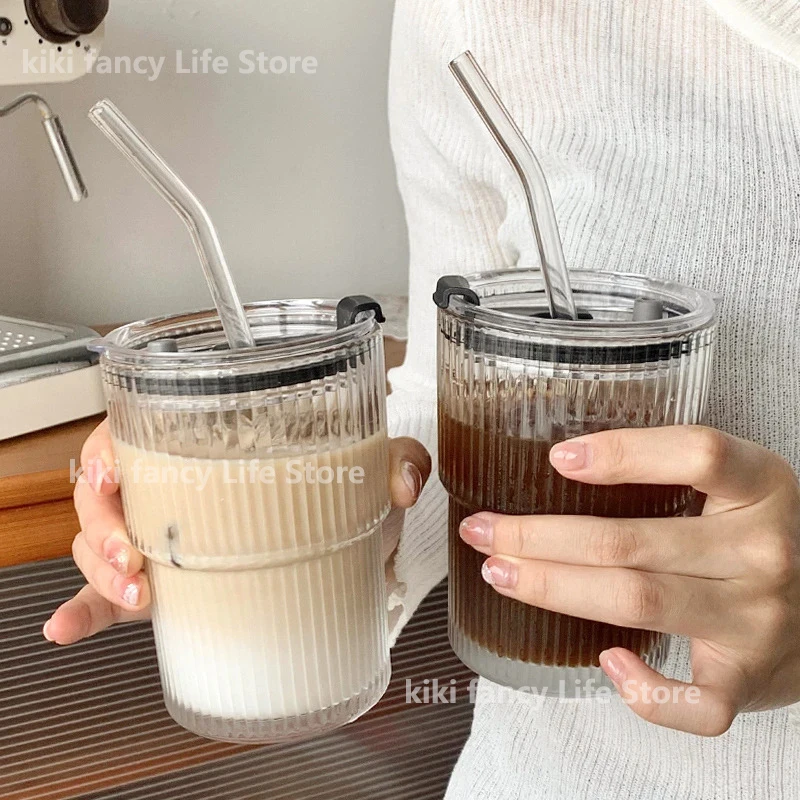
(512,383)
(255,483)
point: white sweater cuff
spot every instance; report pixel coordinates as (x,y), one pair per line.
(420,561)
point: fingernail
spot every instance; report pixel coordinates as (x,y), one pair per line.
(128,590)
(569,456)
(46,631)
(98,476)
(613,667)
(108,460)
(499,573)
(477,531)
(118,554)
(412,478)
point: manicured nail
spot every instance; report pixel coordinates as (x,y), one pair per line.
(118,554)
(412,478)
(477,531)
(46,631)
(497,572)
(127,589)
(98,474)
(570,456)
(613,667)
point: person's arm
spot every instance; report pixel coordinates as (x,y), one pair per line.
(448,173)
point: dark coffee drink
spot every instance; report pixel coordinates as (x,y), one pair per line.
(512,383)
(488,471)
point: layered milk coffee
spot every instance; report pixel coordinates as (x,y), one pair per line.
(255,482)
(266,575)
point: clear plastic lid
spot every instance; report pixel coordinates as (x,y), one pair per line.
(297,341)
(505,313)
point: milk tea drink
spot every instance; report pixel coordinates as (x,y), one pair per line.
(256,483)
(513,383)
(278,642)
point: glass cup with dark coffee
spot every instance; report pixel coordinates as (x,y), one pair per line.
(513,382)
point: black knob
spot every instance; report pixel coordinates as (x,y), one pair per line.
(63,20)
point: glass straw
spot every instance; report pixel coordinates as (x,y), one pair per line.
(119,130)
(509,138)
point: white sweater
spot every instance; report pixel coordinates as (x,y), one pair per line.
(669,131)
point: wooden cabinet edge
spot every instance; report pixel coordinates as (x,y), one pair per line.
(37,532)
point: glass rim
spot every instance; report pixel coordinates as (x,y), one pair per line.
(126,345)
(700,306)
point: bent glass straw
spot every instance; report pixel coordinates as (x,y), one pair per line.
(515,147)
(130,142)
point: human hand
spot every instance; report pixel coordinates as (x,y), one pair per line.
(117,588)
(729,579)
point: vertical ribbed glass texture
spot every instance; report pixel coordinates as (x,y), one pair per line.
(511,385)
(255,482)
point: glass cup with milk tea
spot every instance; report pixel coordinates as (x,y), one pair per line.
(255,482)
(513,382)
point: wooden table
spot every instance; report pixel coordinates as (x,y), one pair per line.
(37,520)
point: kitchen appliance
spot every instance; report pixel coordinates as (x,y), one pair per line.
(45,370)
(49,41)
(24,343)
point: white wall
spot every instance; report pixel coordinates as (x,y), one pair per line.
(296,170)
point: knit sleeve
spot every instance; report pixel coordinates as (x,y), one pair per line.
(771,24)
(454,213)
